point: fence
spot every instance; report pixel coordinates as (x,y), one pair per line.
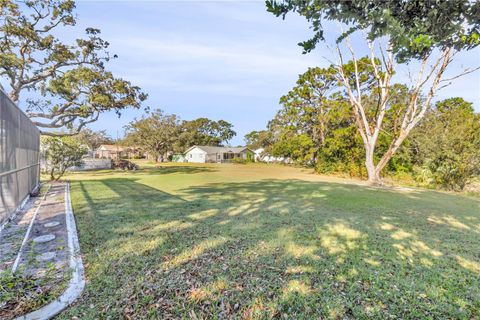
(19,157)
(93,164)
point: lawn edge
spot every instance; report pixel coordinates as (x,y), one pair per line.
(77,281)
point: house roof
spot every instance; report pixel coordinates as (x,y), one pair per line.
(212,149)
(111,147)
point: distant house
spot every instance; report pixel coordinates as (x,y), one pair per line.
(109,151)
(203,154)
(112,151)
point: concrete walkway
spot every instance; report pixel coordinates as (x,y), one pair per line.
(42,240)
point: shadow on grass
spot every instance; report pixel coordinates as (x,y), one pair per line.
(275,248)
(158,170)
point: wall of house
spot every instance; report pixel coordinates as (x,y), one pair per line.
(212,157)
(196,155)
(248,155)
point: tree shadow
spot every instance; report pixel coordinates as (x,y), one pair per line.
(158,170)
(269,248)
(173,169)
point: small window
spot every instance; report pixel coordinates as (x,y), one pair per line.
(191,156)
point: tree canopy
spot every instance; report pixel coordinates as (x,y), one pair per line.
(446,146)
(258,139)
(442,151)
(406,30)
(204,131)
(415,28)
(154,134)
(94,139)
(71,81)
(60,153)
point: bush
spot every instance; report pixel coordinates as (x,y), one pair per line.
(61,153)
(124,165)
(447,172)
(241,160)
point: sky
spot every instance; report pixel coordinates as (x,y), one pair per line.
(228,60)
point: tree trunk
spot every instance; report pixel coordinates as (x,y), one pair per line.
(52,176)
(391,152)
(372,172)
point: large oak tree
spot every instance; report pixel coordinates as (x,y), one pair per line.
(154,134)
(72,86)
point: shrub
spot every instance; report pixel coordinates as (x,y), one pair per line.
(61,153)
(241,160)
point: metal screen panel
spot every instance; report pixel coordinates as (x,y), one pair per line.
(19,157)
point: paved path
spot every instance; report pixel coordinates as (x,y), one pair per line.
(41,240)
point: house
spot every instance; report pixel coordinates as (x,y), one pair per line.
(112,151)
(203,154)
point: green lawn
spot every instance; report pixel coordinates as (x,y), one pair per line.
(261,242)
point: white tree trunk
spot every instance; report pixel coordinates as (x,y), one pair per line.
(372,172)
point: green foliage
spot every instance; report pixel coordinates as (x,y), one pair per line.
(21,293)
(94,139)
(242,160)
(299,128)
(60,153)
(315,124)
(203,131)
(72,83)
(446,146)
(414,28)
(444,151)
(343,152)
(297,147)
(258,139)
(154,134)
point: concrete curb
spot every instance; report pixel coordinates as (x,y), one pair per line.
(77,281)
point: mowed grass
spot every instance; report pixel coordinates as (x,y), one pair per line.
(261,242)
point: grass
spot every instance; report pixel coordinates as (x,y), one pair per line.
(261,242)
(21,293)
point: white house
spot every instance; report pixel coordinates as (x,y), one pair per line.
(203,154)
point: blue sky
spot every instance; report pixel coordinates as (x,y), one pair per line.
(228,60)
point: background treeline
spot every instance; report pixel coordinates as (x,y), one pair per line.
(156,135)
(315,127)
(159,135)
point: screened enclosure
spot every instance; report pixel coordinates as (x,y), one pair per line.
(19,157)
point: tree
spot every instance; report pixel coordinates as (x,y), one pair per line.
(203,131)
(453,27)
(414,28)
(305,107)
(94,139)
(297,147)
(61,153)
(446,146)
(154,134)
(258,139)
(71,79)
